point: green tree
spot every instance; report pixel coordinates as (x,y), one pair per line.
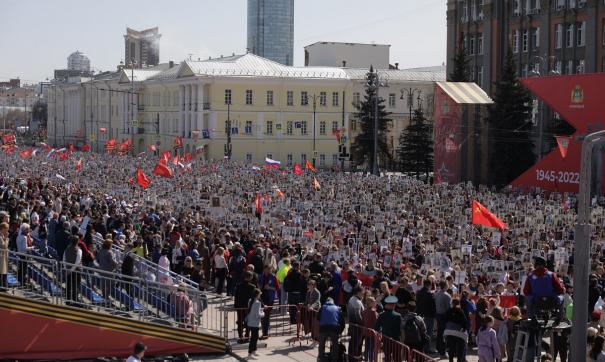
(362,149)
(415,152)
(461,71)
(512,149)
(39,113)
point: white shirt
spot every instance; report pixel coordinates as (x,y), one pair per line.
(78,259)
(219,262)
(133,359)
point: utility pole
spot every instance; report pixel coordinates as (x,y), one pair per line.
(228,131)
(582,249)
(314,123)
(375,170)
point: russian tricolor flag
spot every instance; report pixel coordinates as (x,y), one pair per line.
(269,161)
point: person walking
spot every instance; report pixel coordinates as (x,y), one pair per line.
(331,325)
(220,269)
(426,308)
(487,342)
(268,285)
(244,292)
(253,321)
(443,302)
(415,333)
(354,315)
(456,332)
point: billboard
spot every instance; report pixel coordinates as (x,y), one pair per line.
(579,100)
(447,138)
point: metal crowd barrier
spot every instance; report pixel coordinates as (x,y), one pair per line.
(276,321)
(146,267)
(91,288)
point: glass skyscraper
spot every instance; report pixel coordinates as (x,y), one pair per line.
(271,29)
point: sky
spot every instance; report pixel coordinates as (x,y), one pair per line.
(37,36)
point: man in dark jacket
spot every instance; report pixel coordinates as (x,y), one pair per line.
(426,308)
(62,237)
(294,284)
(243,293)
(389,324)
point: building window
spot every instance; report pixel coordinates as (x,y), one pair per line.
(269,97)
(480,44)
(581,34)
(304,98)
(559,67)
(392,100)
(334,126)
(303,127)
(289,127)
(480,76)
(322,160)
(248,157)
(357,96)
(303,158)
(569,35)
(535,38)
(248,128)
(290,98)
(269,127)
(227,96)
(289,159)
(569,67)
(322,99)
(334,159)
(516,41)
(525,41)
(464,16)
(353,125)
(558,36)
(249,96)
(322,128)
(580,66)
(334,99)
(471,46)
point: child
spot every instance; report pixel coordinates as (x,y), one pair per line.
(369,316)
(489,349)
(253,320)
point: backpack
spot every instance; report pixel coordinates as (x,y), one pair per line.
(413,334)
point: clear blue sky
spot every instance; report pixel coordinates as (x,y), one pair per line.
(36,36)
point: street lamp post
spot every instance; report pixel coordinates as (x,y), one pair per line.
(581,249)
(409,93)
(228,131)
(314,125)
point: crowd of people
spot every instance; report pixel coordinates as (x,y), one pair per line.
(390,253)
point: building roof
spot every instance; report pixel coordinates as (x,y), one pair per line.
(142,74)
(345,43)
(465,93)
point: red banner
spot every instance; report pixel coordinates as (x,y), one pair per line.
(447,138)
(579,100)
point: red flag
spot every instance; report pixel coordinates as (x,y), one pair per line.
(178,142)
(85,148)
(175,160)
(162,170)
(297,169)
(166,156)
(131,180)
(63,156)
(110,145)
(71,148)
(9,138)
(125,146)
(563,143)
(257,205)
(143,180)
(336,133)
(26,153)
(152,148)
(482,216)
(79,165)
(309,166)
(187,157)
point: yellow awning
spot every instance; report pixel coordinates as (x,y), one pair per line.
(465,93)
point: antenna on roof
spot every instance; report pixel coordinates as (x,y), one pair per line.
(190,54)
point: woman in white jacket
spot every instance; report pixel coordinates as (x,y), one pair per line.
(253,320)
